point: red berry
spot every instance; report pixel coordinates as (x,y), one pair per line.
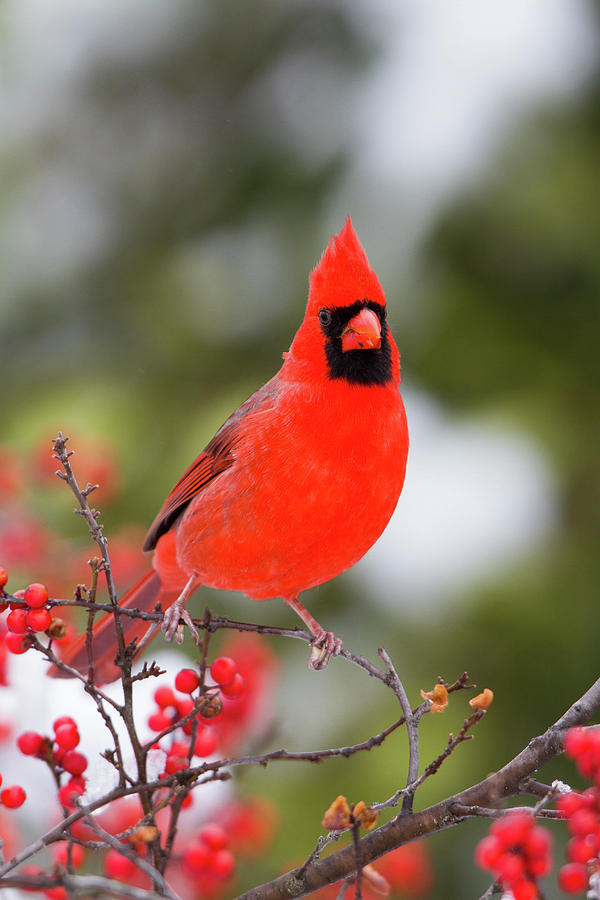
(3,578)
(512,828)
(36,596)
(576,742)
(525,889)
(67,736)
(17,643)
(583,848)
(69,792)
(594,750)
(186,681)
(187,801)
(570,803)
(583,745)
(38,619)
(16,621)
(197,856)
(235,688)
(12,797)
(586,765)
(539,842)
(158,721)
(30,743)
(78,781)
(73,762)
(509,867)
(223,863)
(179,748)
(206,743)
(118,866)
(184,706)
(64,720)
(164,696)
(56,893)
(540,866)
(584,821)
(573,878)
(213,835)
(223,669)
(488,852)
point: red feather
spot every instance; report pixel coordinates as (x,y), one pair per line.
(216,457)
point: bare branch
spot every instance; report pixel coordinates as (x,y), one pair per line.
(495,788)
(412,725)
(90,515)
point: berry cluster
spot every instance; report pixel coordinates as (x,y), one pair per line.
(517,852)
(224,672)
(61,756)
(173,709)
(582,812)
(207,858)
(25,620)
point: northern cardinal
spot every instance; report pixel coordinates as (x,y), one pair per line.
(298,483)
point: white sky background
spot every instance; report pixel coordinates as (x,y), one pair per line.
(453,79)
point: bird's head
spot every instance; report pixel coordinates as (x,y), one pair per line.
(345,334)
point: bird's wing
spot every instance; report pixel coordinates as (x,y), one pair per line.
(216,457)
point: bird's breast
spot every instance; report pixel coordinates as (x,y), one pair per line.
(314,483)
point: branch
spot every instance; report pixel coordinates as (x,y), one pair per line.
(90,515)
(493,789)
(412,726)
(83,885)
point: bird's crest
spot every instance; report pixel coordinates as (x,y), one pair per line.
(343,274)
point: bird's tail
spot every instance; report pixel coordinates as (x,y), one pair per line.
(143,596)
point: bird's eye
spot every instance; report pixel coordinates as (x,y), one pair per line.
(324,317)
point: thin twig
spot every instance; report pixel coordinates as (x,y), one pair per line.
(486,812)
(90,515)
(133,857)
(83,885)
(412,726)
(357,857)
(322,842)
(493,889)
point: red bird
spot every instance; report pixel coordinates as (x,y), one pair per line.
(299,482)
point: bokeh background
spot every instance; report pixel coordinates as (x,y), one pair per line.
(170,172)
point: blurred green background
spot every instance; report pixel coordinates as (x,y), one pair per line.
(171,172)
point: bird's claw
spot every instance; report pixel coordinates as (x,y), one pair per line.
(174,620)
(323,647)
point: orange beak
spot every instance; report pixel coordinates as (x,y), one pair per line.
(363,332)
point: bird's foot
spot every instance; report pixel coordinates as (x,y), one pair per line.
(174,620)
(324,646)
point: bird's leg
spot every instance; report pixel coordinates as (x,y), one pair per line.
(177,611)
(325,643)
